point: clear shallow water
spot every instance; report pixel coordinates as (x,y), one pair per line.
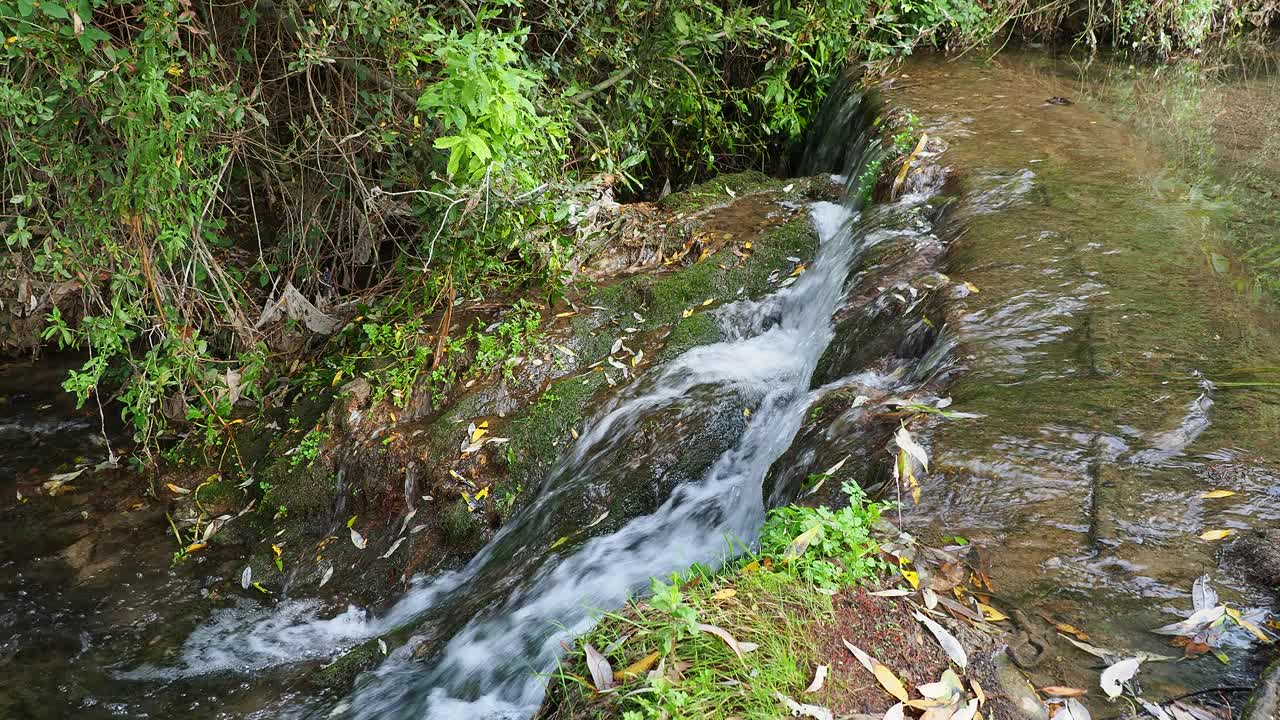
(1104,323)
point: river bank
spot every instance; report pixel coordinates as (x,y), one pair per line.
(746,344)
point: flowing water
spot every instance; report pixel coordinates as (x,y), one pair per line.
(1093,349)
(1100,349)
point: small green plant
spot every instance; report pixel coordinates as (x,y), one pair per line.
(838,550)
(309,448)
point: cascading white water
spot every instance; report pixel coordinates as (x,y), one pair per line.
(499,623)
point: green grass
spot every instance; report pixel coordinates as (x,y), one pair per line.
(776,600)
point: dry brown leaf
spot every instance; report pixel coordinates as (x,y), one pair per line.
(1062,691)
(738,648)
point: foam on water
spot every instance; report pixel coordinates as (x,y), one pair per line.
(507,612)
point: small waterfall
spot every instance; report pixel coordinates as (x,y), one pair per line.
(485,633)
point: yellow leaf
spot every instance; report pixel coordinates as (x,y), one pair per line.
(1216,494)
(337,377)
(798,271)
(724,594)
(559,542)
(687,312)
(746,412)
(637,668)
(177,490)
(708,301)
(196,546)
(751,567)
(978,692)
(747,245)
(1235,615)
(1214,534)
(276,549)
(567,313)
(481,430)
(991,614)
(890,682)
(801,543)
(912,577)
(484,493)
(971,287)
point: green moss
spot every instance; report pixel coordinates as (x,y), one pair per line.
(693,331)
(341,673)
(715,192)
(539,431)
(219,497)
(459,524)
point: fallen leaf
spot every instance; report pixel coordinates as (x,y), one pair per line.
(967,712)
(1076,710)
(897,712)
(1217,494)
(1193,625)
(724,594)
(816,712)
(328,575)
(819,678)
(911,576)
(394,546)
(1071,630)
(1063,692)
(738,648)
(687,312)
(1203,596)
(801,543)
(884,675)
(1214,534)
(479,431)
(908,443)
(1115,676)
(176,490)
(358,540)
(196,546)
(949,643)
(637,668)
(978,692)
(601,671)
(246,577)
(897,592)
(382,645)
(1242,622)
(991,614)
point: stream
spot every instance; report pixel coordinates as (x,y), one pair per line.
(1110,304)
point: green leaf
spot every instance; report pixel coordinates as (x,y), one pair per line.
(55,11)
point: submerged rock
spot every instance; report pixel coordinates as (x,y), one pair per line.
(1257,555)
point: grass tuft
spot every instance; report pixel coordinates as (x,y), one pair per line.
(668,665)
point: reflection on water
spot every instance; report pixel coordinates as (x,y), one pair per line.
(1093,348)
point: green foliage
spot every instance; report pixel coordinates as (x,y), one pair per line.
(841,554)
(482,99)
(204,194)
(309,449)
(513,337)
(782,606)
